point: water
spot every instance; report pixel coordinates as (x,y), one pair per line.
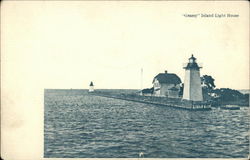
(78,125)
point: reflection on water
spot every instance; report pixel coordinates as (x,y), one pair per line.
(82,125)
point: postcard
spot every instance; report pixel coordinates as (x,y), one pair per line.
(124,79)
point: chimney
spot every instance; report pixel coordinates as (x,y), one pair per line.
(166,71)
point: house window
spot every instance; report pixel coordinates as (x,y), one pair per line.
(157,84)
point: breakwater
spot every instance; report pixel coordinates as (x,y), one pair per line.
(159,101)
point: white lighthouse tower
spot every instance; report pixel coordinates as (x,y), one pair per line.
(91,87)
(192,82)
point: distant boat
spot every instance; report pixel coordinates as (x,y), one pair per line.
(230,107)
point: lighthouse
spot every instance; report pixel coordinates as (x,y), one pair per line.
(192,82)
(91,87)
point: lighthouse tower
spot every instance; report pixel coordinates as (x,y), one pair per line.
(91,87)
(192,83)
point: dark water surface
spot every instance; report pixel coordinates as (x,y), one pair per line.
(79,125)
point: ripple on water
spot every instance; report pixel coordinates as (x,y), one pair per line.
(85,126)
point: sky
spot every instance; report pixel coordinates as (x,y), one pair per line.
(63,44)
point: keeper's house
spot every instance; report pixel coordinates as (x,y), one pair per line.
(166,85)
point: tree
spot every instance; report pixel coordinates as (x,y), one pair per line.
(207,87)
(227,95)
(208,82)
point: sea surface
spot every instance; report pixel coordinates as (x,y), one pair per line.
(80,125)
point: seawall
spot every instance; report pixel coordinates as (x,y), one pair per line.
(158,101)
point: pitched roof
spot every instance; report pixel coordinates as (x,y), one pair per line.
(169,78)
